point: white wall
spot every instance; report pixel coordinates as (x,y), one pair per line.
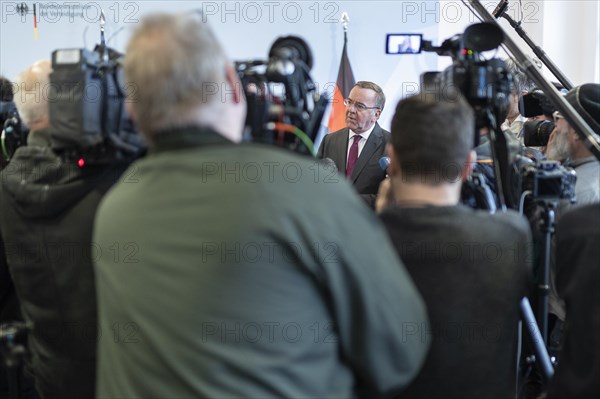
(568,29)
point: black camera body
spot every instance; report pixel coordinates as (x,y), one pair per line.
(284,107)
(537,133)
(485,84)
(549,181)
(87,108)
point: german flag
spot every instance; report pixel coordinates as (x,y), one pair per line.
(345,82)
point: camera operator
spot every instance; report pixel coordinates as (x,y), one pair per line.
(538,109)
(567,146)
(466,289)
(213,303)
(48,206)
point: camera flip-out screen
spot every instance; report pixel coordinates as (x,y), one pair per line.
(403,43)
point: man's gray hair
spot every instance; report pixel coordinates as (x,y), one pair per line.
(379,98)
(174,66)
(521,81)
(30,92)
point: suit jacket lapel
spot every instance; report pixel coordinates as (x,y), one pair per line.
(341,150)
(374,141)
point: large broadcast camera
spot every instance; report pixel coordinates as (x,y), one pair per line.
(485,84)
(88,120)
(284,107)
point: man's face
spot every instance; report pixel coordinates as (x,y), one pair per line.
(361,121)
(561,147)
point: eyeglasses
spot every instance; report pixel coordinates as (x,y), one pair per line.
(556,116)
(360,107)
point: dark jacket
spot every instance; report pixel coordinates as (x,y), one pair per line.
(367,174)
(472,269)
(47,209)
(210,226)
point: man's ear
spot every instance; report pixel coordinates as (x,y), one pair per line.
(377,114)
(393,168)
(233,81)
(468,166)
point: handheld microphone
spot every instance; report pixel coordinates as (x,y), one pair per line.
(500,8)
(384,162)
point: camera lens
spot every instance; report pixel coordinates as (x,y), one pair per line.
(537,133)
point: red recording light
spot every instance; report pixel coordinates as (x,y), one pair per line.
(81,162)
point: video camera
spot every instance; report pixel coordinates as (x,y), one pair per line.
(485,84)
(548,181)
(88,121)
(536,133)
(284,107)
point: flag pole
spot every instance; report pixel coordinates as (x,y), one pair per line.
(345,82)
(345,20)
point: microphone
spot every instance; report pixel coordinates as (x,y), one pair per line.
(500,8)
(384,162)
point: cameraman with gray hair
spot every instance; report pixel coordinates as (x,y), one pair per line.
(48,204)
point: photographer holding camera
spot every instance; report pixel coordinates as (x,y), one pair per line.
(566,145)
(48,205)
(229,292)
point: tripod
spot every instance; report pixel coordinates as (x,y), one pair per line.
(548,225)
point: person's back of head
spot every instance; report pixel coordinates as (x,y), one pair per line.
(30,95)
(181,77)
(432,137)
(431,151)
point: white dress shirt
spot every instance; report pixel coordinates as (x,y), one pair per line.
(361,143)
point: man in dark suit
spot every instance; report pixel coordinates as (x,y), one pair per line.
(359,157)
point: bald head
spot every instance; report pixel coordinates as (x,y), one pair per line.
(30,95)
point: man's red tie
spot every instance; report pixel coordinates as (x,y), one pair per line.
(353,155)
